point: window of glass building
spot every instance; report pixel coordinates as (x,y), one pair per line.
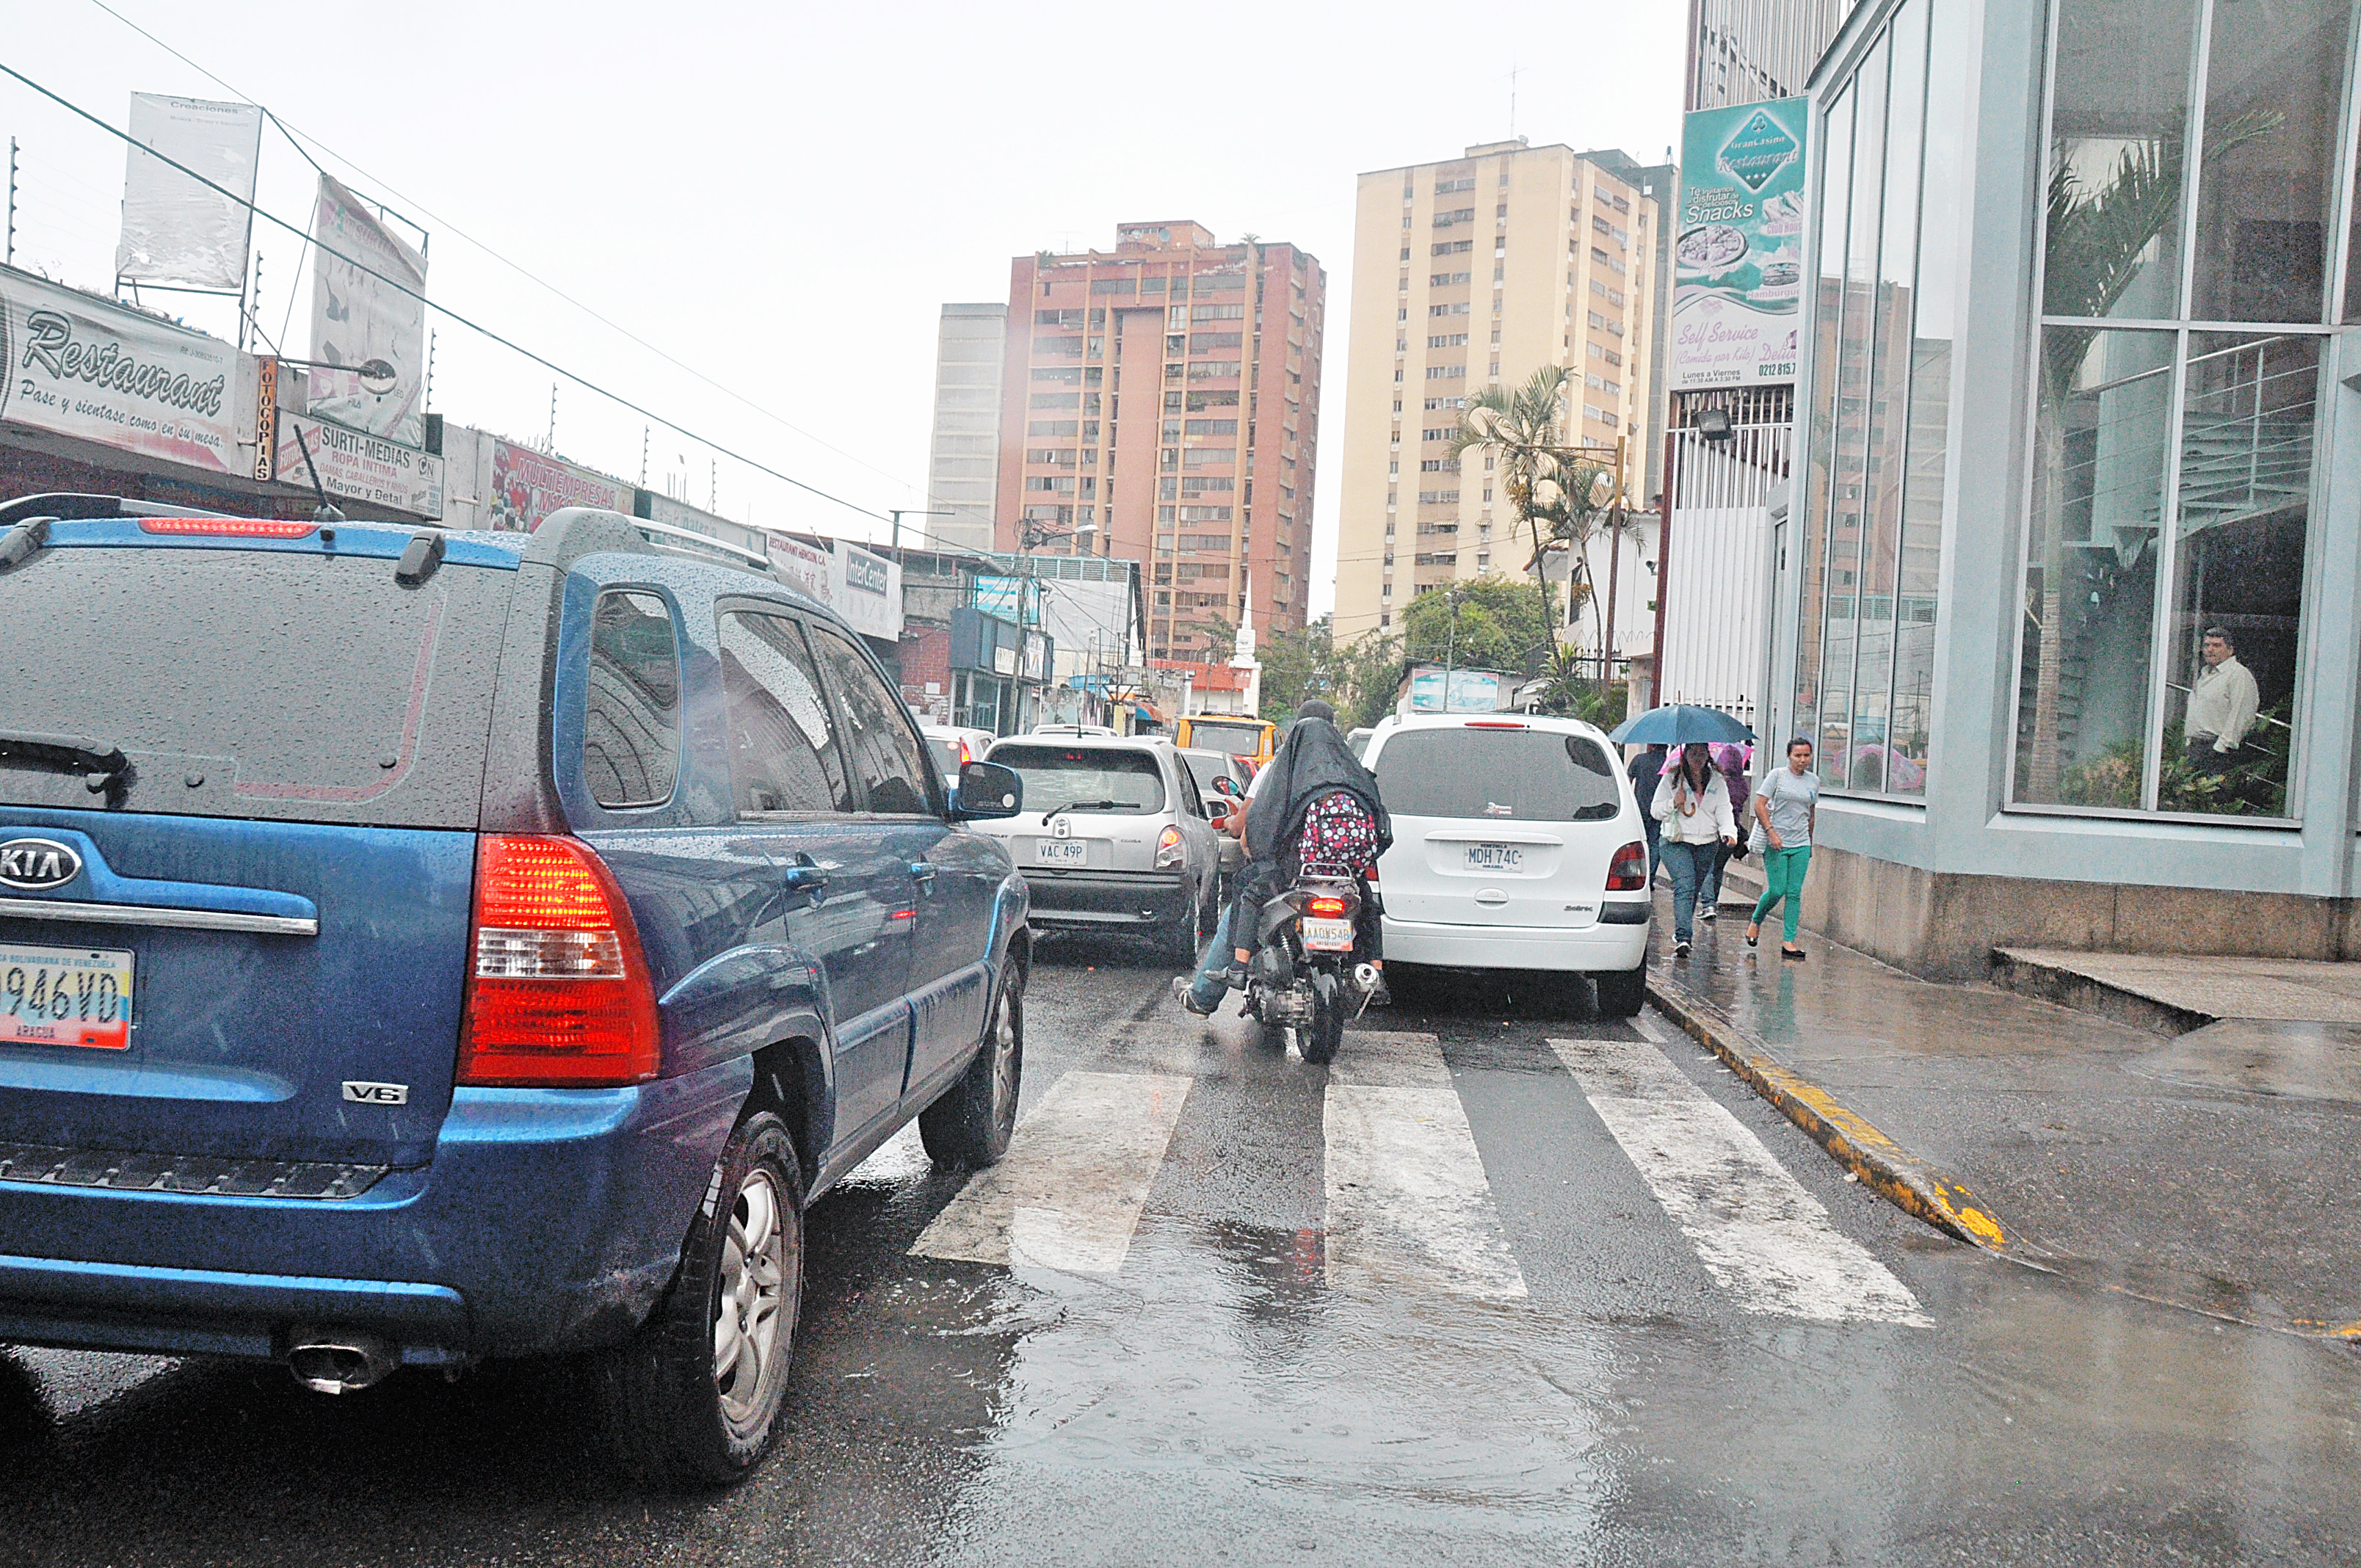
(1894,158)
(2195,159)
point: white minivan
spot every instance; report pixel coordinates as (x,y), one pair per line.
(1517,846)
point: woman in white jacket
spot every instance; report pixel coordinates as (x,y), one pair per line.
(1693,802)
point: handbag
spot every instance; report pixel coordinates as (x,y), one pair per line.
(1759,841)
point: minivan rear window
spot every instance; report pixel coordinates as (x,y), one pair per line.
(287,684)
(1514,775)
(1086,777)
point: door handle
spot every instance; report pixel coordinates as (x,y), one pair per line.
(922,870)
(805,875)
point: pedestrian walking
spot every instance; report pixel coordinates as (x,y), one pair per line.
(1645,769)
(1693,802)
(1785,810)
(1731,760)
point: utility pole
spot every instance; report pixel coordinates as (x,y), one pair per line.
(12,201)
(643,456)
(898,513)
(552,448)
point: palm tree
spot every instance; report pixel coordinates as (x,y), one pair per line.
(1519,429)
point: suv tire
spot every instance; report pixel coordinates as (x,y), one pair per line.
(973,1122)
(673,1415)
(1622,993)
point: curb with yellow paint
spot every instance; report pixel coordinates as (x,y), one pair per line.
(1890,1171)
(1919,1190)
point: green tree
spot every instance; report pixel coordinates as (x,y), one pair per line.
(1486,623)
(1358,678)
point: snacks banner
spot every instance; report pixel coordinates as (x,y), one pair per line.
(1737,263)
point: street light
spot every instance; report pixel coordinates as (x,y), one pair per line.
(377,377)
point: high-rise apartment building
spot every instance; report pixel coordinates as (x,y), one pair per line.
(1158,403)
(1469,273)
(963,459)
(1742,51)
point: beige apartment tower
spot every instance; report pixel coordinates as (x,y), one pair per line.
(1466,273)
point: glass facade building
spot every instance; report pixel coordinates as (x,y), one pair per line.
(2067,607)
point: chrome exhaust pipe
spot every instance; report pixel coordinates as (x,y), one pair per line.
(340,1362)
(1364,982)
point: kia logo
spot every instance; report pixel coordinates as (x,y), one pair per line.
(33,865)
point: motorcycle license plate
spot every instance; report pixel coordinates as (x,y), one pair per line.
(60,996)
(1328,936)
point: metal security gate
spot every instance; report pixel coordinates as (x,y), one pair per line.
(1717,567)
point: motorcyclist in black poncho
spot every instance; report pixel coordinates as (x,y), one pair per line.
(1313,802)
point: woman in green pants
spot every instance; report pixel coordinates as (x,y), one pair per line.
(1786,806)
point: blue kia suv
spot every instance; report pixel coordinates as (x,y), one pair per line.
(419,948)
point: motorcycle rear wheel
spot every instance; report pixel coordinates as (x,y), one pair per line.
(1318,1039)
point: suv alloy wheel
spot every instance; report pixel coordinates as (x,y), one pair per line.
(692,1398)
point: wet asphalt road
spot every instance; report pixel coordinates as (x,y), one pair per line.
(1431,1305)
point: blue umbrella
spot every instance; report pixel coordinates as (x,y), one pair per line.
(1678,724)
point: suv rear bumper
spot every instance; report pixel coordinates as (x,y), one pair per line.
(1103,900)
(550,1220)
(1591,949)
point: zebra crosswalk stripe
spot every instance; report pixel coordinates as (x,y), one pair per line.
(1070,1193)
(1407,1196)
(1762,1238)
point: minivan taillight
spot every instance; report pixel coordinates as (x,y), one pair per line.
(558,993)
(1628,871)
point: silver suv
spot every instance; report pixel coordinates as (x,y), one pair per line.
(1114,836)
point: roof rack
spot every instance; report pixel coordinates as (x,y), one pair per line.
(691,539)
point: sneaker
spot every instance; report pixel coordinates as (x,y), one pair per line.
(1708,913)
(1184,991)
(1680,949)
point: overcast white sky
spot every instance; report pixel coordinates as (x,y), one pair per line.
(781,196)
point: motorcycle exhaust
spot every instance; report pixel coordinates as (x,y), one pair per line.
(1364,981)
(332,1362)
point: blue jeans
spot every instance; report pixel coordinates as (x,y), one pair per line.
(1212,965)
(1710,888)
(1690,864)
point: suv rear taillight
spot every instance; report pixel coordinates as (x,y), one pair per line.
(1628,871)
(1168,848)
(558,995)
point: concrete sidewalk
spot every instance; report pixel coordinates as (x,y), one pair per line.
(2171,1168)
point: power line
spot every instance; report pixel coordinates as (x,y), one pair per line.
(296,140)
(399,287)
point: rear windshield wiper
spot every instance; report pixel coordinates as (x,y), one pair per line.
(1083,805)
(106,768)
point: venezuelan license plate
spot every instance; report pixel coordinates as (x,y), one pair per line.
(65,996)
(1327,936)
(1061,851)
(1495,856)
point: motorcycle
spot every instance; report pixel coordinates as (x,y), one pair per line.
(1304,980)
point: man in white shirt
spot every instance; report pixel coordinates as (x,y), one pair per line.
(2222,704)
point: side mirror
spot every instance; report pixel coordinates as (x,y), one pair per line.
(987,791)
(1222,785)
